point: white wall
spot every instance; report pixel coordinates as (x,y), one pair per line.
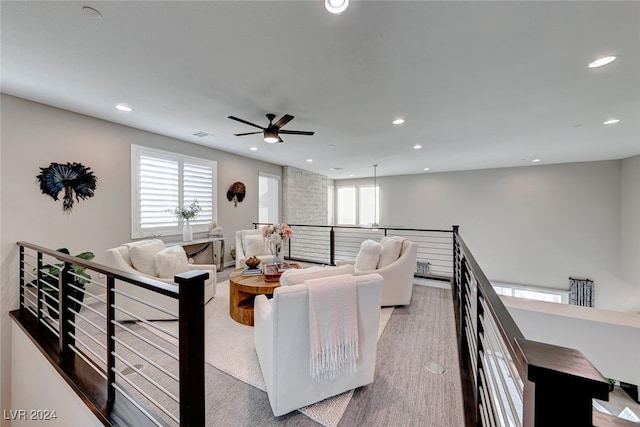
(535,225)
(630,259)
(57,398)
(609,339)
(34,135)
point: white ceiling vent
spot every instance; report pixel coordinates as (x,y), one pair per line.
(201,134)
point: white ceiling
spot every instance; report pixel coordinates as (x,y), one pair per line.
(480,84)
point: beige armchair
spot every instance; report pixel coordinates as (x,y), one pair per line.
(398,276)
(120,258)
(250,243)
(282,340)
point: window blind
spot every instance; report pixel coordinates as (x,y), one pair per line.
(163,181)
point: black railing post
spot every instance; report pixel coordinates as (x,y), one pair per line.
(456,260)
(22,283)
(39,278)
(332,247)
(65,317)
(111,331)
(464,348)
(565,384)
(481,371)
(191,347)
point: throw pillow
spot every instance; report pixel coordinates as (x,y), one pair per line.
(368,256)
(171,261)
(390,251)
(256,245)
(143,256)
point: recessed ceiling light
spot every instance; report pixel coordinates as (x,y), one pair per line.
(335,168)
(336,6)
(602,61)
(611,122)
(535,161)
(417,147)
(351,175)
(91,12)
(253,148)
(398,122)
(331,145)
(309,160)
(426,169)
(123,107)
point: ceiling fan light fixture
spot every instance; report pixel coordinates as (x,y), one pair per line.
(336,6)
(270,136)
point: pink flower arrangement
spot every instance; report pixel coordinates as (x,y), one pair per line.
(283,230)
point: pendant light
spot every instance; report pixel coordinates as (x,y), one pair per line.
(375,197)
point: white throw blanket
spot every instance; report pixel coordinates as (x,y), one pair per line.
(333,326)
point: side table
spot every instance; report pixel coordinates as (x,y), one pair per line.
(196,247)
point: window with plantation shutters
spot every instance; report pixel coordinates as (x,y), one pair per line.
(162,181)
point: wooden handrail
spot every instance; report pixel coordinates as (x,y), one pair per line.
(142,281)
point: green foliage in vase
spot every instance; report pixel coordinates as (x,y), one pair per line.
(188,213)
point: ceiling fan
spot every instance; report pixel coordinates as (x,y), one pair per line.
(271,132)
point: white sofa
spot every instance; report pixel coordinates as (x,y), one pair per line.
(246,249)
(120,258)
(398,276)
(281,335)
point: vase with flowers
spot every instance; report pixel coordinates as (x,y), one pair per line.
(187,214)
(277,235)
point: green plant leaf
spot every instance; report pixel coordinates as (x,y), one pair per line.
(86,255)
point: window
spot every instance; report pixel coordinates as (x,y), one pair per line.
(268,198)
(349,207)
(366,201)
(161,181)
(346,205)
(528,292)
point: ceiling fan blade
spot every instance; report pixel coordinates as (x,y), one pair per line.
(245,122)
(283,121)
(296,132)
(246,133)
(280,140)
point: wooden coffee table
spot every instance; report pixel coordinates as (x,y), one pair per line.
(242,291)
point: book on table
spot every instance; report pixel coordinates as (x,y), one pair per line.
(256,271)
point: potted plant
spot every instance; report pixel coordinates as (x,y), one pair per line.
(49,282)
(187,213)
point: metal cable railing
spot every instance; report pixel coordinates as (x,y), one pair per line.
(159,370)
(502,366)
(325,244)
(133,358)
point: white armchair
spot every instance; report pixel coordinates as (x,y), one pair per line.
(120,258)
(398,276)
(250,243)
(281,335)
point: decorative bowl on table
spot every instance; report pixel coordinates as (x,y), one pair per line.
(252,262)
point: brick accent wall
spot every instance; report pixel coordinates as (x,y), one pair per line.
(304,196)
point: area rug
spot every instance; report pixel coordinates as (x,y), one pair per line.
(229,347)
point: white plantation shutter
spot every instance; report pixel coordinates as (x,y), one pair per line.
(198,180)
(161,181)
(158,189)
